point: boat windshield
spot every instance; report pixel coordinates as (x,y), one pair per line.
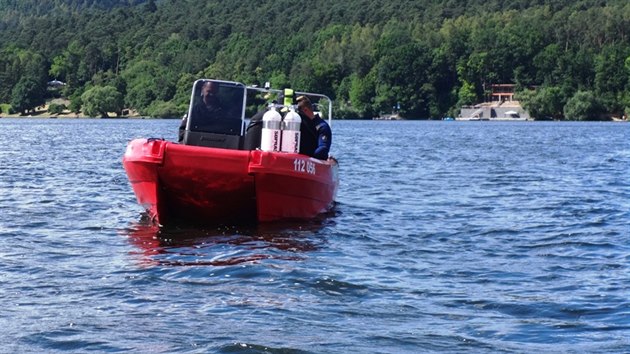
(217,107)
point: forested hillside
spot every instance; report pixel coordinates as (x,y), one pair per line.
(428,56)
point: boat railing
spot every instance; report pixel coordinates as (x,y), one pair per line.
(320,101)
(218,110)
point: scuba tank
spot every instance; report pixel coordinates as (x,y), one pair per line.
(271,130)
(291,131)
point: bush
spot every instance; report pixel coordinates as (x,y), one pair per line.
(5,108)
(584,105)
(100,100)
(75,103)
(55,108)
(543,103)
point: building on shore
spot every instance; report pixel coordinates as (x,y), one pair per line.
(501,106)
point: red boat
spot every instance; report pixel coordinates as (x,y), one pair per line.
(211,178)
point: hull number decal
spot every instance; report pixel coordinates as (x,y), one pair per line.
(304,166)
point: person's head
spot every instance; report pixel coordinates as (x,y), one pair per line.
(305,106)
(209,88)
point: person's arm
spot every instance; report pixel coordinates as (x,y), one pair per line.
(182,129)
(253,132)
(324,138)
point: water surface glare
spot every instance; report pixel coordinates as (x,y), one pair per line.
(461,237)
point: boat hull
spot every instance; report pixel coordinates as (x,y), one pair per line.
(175,182)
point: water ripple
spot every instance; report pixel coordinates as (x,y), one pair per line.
(446,237)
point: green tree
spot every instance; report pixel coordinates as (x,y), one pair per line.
(20,65)
(611,79)
(467,95)
(361,95)
(27,95)
(60,66)
(98,101)
(547,65)
(70,67)
(147,81)
(401,74)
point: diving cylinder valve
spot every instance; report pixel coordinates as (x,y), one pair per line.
(271,130)
(288,97)
(291,131)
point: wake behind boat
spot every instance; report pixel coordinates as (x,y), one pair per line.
(213,176)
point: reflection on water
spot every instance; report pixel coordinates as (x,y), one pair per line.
(224,245)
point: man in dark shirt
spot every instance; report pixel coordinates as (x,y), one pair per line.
(315,133)
(208,107)
(216,110)
(315,136)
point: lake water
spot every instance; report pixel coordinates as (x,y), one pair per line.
(461,237)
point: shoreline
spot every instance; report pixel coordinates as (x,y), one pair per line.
(72,116)
(42,112)
(45,115)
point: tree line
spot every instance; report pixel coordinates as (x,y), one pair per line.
(425,58)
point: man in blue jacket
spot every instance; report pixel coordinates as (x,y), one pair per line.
(315,136)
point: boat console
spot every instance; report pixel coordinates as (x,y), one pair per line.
(216,114)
